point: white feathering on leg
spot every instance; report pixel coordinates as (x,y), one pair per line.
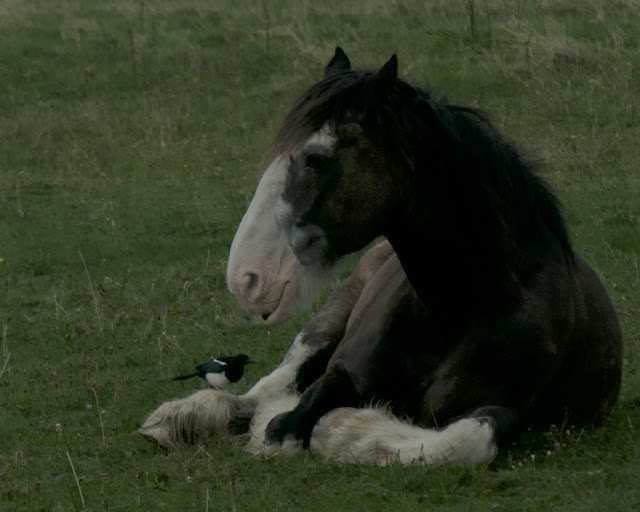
(204,414)
(375,436)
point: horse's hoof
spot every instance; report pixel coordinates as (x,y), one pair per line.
(278,428)
(158,433)
(289,447)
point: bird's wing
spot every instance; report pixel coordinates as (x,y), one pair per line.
(213,366)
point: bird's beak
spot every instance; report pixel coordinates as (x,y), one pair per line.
(250,361)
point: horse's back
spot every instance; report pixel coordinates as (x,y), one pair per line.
(588,383)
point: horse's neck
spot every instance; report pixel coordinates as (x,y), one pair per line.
(450,281)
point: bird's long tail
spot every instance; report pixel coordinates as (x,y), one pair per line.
(183,377)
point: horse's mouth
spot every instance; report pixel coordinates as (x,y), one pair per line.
(279,313)
(273,318)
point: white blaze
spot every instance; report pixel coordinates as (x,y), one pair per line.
(263,272)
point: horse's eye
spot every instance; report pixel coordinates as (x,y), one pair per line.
(315,162)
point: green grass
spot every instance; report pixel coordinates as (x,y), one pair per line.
(130,140)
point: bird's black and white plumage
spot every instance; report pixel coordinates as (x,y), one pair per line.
(219,372)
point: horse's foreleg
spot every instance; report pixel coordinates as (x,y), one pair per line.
(310,352)
(375,436)
(203,414)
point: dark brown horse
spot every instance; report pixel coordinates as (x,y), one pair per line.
(483,321)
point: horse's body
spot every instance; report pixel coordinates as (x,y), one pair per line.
(482,319)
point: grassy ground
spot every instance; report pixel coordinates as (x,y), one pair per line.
(130,137)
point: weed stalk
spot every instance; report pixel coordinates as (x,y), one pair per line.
(77,481)
(5,351)
(104,439)
(268,22)
(472,19)
(93,293)
(132,52)
(20,210)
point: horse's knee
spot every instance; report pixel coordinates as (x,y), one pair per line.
(205,414)
(372,260)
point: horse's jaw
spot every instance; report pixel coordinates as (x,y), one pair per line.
(263,272)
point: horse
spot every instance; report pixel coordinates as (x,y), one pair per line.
(474,320)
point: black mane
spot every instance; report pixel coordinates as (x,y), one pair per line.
(504,216)
(505,219)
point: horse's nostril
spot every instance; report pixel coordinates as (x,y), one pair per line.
(252,280)
(252,285)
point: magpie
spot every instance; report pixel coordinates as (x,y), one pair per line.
(219,372)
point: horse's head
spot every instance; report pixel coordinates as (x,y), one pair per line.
(329,191)
(263,272)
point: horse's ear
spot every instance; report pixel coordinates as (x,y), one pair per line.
(338,64)
(387,76)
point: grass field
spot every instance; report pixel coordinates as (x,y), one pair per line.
(130,139)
